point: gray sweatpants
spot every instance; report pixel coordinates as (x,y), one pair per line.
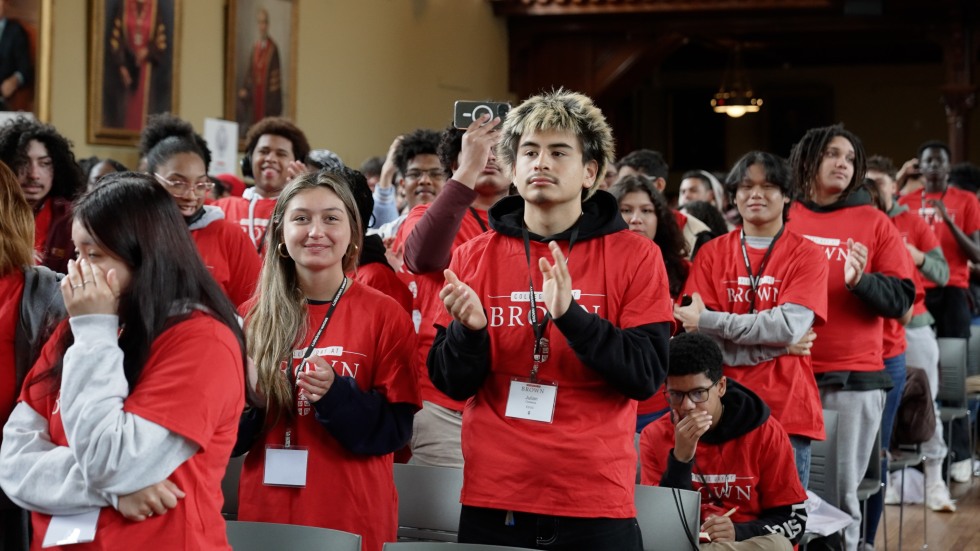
(859,420)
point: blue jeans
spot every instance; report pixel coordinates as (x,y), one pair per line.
(801,451)
(647,418)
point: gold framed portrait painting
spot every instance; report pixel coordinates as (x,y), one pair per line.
(133,60)
(25,56)
(260,79)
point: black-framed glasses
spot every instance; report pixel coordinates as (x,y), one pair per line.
(434,174)
(199,187)
(696,395)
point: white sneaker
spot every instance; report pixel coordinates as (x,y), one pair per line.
(892,495)
(960,471)
(937,498)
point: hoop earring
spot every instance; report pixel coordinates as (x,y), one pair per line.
(282,252)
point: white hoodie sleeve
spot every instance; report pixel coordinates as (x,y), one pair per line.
(117,452)
(39,475)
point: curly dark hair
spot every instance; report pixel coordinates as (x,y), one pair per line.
(15,139)
(165,125)
(709,214)
(670,239)
(648,162)
(450,144)
(421,141)
(694,354)
(805,159)
(278,126)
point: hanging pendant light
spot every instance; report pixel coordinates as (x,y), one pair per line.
(735,98)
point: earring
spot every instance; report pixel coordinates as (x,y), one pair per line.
(282,252)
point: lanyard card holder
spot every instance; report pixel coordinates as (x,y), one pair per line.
(532,401)
(71,529)
(285,466)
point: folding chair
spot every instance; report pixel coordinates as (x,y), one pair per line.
(669,519)
(952,390)
(871,483)
(261,536)
(899,462)
(229,487)
(823,468)
(428,502)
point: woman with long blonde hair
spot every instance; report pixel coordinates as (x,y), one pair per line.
(332,388)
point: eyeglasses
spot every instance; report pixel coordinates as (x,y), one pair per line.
(434,174)
(697,395)
(179,186)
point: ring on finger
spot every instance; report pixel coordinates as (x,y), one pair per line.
(87,281)
(77,286)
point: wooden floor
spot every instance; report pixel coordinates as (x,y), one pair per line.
(946,531)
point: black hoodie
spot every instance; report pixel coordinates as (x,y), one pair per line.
(634,360)
(744,412)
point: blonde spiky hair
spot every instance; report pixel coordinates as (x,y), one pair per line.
(560,110)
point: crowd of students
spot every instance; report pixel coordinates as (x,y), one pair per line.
(478,301)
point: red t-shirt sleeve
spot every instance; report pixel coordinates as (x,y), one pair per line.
(646,298)
(193,377)
(395,376)
(700,279)
(808,281)
(971,214)
(656,442)
(781,486)
(244,263)
(889,255)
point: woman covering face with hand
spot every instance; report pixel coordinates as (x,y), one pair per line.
(333,389)
(145,381)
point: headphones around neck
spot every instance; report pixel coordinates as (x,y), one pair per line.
(247,164)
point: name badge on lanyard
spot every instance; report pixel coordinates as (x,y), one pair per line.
(71,529)
(531,401)
(286,465)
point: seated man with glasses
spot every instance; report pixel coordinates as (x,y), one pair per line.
(721,441)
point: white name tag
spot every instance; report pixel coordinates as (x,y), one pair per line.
(71,529)
(531,401)
(285,466)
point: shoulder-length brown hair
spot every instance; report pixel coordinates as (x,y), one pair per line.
(16,224)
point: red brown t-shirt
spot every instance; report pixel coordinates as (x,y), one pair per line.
(252,215)
(193,384)
(230,257)
(11,291)
(795,273)
(583,463)
(852,338)
(370,339)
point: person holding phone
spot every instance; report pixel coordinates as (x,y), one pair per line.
(332,385)
(433,232)
(126,422)
(724,443)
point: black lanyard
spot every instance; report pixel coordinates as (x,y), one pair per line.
(291,374)
(541,344)
(478,219)
(754,278)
